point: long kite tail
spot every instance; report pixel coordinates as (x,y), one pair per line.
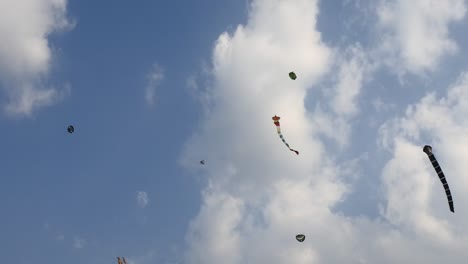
(278,129)
(428,150)
(287,145)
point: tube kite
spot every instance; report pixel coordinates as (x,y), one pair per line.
(428,150)
(276,121)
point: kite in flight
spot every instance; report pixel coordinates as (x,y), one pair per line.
(276,121)
(202,162)
(120,261)
(70,129)
(428,150)
(292,75)
(300,237)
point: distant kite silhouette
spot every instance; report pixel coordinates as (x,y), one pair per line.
(292,75)
(300,237)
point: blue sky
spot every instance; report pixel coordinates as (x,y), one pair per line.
(154,87)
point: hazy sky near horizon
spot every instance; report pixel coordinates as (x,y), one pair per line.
(153,87)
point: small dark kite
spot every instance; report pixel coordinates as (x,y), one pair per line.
(300,237)
(292,75)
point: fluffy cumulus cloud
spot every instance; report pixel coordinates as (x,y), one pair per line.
(417,32)
(351,77)
(26,54)
(142,199)
(352,66)
(259,195)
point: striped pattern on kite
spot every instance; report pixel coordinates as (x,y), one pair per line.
(428,150)
(278,129)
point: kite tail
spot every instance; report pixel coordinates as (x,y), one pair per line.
(284,141)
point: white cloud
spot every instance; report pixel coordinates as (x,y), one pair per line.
(79,243)
(354,69)
(216,230)
(155,78)
(252,84)
(350,79)
(416,32)
(25,54)
(29,97)
(142,199)
(259,195)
